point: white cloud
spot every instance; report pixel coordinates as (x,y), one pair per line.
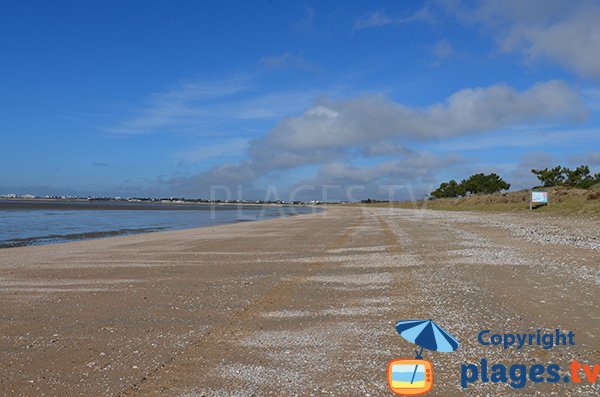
(327,131)
(591,158)
(565,31)
(233,147)
(202,106)
(183,105)
(409,169)
(368,119)
(307,23)
(225,178)
(442,49)
(386,148)
(288,60)
(409,177)
(380,18)
(521,138)
(521,176)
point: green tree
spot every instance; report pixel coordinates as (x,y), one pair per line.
(486,184)
(579,177)
(478,183)
(448,189)
(550,177)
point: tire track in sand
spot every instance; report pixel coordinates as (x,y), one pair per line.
(180,369)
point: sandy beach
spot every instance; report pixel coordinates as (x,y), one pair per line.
(302,306)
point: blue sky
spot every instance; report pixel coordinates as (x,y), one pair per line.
(335,98)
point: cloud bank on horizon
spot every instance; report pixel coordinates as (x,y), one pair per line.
(343,100)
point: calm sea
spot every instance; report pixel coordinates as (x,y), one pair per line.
(45,222)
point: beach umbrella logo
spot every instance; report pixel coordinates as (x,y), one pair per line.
(411,377)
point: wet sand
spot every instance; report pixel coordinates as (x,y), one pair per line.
(295,306)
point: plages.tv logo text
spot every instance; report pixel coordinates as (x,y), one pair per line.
(517,375)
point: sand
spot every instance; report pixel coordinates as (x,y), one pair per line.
(295,306)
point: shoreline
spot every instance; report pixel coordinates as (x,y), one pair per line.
(58,237)
(65,238)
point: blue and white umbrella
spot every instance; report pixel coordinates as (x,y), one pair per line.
(427,334)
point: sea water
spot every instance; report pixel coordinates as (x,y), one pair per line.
(40,223)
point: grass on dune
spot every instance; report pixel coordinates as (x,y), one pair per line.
(562,201)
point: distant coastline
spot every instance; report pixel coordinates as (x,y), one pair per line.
(85,204)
